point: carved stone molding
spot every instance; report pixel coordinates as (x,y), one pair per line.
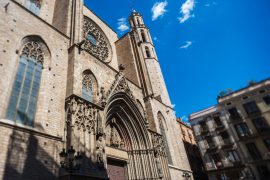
(81,114)
(120,84)
(158,144)
(113,138)
(96,42)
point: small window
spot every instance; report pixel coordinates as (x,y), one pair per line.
(217,121)
(234,113)
(266,99)
(267,143)
(251,108)
(262,91)
(143,36)
(263,171)
(233,156)
(229,103)
(242,130)
(148,55)
(33,5)
(260,124)
(245,97)
(253,151)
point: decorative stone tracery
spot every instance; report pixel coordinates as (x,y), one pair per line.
(96,42)
(81,114)
(34,51)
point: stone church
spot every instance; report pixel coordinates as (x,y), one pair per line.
(78,102)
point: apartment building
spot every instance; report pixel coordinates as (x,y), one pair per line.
(248,111)
(218,148)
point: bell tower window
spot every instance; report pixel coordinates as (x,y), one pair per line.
(143,36)
(147,51)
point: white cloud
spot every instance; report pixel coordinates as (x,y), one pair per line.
(186,45)
(122,24)
(186,10)
(158,9)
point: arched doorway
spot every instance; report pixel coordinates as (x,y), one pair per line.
(128,141)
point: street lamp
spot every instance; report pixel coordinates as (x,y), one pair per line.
(70,161)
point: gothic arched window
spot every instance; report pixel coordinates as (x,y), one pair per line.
(147,52)
(161,120)
(143,36)
(87,87)
(33,5)
(24,94)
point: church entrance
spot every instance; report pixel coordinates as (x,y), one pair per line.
(116,169)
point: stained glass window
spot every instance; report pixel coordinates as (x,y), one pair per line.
(92,39)
(33,5)
(23,99)
(87,87)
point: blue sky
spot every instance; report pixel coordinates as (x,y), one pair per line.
(203,46)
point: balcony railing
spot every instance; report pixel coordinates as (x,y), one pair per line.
(212,147)
(219,127)
(227,143)
(204,130)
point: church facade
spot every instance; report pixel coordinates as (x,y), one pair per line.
(68,82)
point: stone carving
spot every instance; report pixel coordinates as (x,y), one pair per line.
(113,137)
(159,168)
(96,42)
(81,114)
(120,85)
(100,152)
(34,51)
(103,97)
(158,144)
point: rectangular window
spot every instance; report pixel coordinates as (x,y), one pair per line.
(233,113)
(263,172)
(242,130)
(251,108)
(267,143)
(217,121)
(253,151)
(266,99)
(233,156)
(260,124)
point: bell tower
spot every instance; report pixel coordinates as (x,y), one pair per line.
(149,58)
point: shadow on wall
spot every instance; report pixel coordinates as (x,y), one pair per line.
(27,160)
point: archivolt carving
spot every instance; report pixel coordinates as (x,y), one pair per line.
(119,85)
(81,114)
(34,51)
(98,45)
(113,137)
(158,144)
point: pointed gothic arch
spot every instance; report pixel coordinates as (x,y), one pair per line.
(163,128)
(89,86)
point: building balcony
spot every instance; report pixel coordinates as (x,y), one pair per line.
(236,119)
(220,127)
(212,147)
(227,143)
(204,130)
